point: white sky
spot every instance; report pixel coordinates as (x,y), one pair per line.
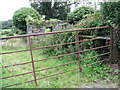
(8,7)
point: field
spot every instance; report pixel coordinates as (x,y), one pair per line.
(6,32)
(73,79)
(72,47)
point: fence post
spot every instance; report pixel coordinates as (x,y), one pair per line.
(30,45)
(78,47)
(111,44)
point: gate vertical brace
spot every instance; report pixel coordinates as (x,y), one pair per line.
(30,45)
(78,47)
(111,44)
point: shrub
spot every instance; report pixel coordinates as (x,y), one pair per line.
(48,30)
(14,29)
(57,39)
(19,17)
(5,32)
(118,45)
(10,34)
(7,24)
(93,20)
(111,12)
(79,13)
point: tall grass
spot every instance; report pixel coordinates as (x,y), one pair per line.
(66,80)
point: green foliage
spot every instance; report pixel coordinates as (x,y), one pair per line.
(95,69)
(93,20)
(59,39)
(111,11)
(79,13)
(10,34)
(47,30)
(7,24)
(16,30)
(19,17)
(42,23)
(7,33)
(118,45)
(69,79)
(55,10)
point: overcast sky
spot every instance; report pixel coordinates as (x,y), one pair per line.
(8,7)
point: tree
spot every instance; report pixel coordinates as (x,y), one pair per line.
(55,10)
(7,24)
(79,13)
(19,17)
(111,13)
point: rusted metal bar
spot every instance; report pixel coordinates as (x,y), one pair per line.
(78,47)
(72,53)
(14,51)
(39,78)
(54,74)
(49,46)
(41,59)
(56,56)
(28,35)
(57,65)
(53,32)
(96,62)
(29,41)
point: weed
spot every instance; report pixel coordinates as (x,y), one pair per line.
(65,80)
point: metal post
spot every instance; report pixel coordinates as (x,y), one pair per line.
(111,44)
(78,47)
(29,40)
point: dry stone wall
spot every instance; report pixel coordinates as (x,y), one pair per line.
(55,25)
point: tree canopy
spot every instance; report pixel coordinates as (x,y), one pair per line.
(111,11)
(7,24)
(55,10)
(19,17)
(79,13)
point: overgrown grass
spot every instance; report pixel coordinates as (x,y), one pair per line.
(6,32)
(3,30)
(66,80)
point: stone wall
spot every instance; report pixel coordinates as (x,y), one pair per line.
(55,24)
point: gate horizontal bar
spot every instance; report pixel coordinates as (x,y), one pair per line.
(56,56)
(49,46)
(57,65)
(54,74)
(36,34)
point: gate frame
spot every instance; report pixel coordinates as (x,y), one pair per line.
(78,52)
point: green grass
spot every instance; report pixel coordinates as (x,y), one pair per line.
(6,30)
(67,80)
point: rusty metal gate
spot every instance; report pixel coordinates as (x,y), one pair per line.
(78,52)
